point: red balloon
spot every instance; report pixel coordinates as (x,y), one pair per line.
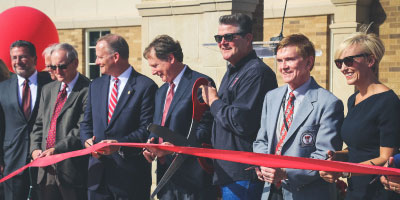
(26,23)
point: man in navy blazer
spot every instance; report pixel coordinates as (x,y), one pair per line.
(190,181)
(15,127)
(308,130)
(120,107)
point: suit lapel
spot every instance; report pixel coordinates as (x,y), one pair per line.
(180,91)
(53,96)
(14,87)
(304,110)
(126,94)
(103,97)
(72,96)
(274,116)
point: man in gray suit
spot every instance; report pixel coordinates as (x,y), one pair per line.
(299,119)
(19,103)
(56,129)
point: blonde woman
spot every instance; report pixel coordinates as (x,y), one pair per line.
(371,128)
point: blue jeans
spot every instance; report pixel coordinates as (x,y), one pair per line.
(242,190)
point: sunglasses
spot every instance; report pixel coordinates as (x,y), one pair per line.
(348,61)
(228,37)
(63,66)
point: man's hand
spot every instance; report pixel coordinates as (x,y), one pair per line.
(36,153)
(108,150)
(209,94)
(90,142)
(391,182)
(330,177)
(271,175)
(158,152)
(46,153)
(150,157)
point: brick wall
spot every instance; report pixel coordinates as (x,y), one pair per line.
(133,36)
(76,37)
(316,29)
(389,32)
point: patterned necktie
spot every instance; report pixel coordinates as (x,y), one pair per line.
(61,99)
(287,121)
(168,101)
(113,99)
(26,99)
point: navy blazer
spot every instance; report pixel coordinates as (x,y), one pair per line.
(190,175)
(126,173)
(14,128)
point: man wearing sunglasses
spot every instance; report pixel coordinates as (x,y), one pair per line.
(47,61)
(237,105)
(19,103)
(56,129)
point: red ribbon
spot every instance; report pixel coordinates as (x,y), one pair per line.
(267,160)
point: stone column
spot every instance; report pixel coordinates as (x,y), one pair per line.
(193,23)
(349,15)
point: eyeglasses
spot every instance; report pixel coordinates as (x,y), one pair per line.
(228,37)
(63,66)
(348,61)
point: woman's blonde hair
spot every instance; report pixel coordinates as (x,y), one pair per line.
(369,43)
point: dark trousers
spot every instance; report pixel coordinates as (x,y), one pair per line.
(51,188)
(103,192)
(172,191)
(275,193)
(17,188)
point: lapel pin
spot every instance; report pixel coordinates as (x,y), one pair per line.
(129,92)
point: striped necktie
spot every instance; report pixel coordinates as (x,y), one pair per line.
(113,99)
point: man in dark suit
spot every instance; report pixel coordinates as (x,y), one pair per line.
(56,129)
(19,104)
(165,57)
(120,107)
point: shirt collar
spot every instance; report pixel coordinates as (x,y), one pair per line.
(70,84)
(179,77)
(32,79)
(300,91)
(125,75)
(242,62)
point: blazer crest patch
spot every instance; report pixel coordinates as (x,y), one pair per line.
(307,139)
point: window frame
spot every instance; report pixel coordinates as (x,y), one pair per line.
(88,47)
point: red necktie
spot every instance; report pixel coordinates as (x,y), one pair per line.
(168,101)
(288,118)
(61,99)
(26,99)
(113,99)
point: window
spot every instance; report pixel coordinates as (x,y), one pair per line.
(93,70)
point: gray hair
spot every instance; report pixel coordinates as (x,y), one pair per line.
(69,49)
(48,50)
